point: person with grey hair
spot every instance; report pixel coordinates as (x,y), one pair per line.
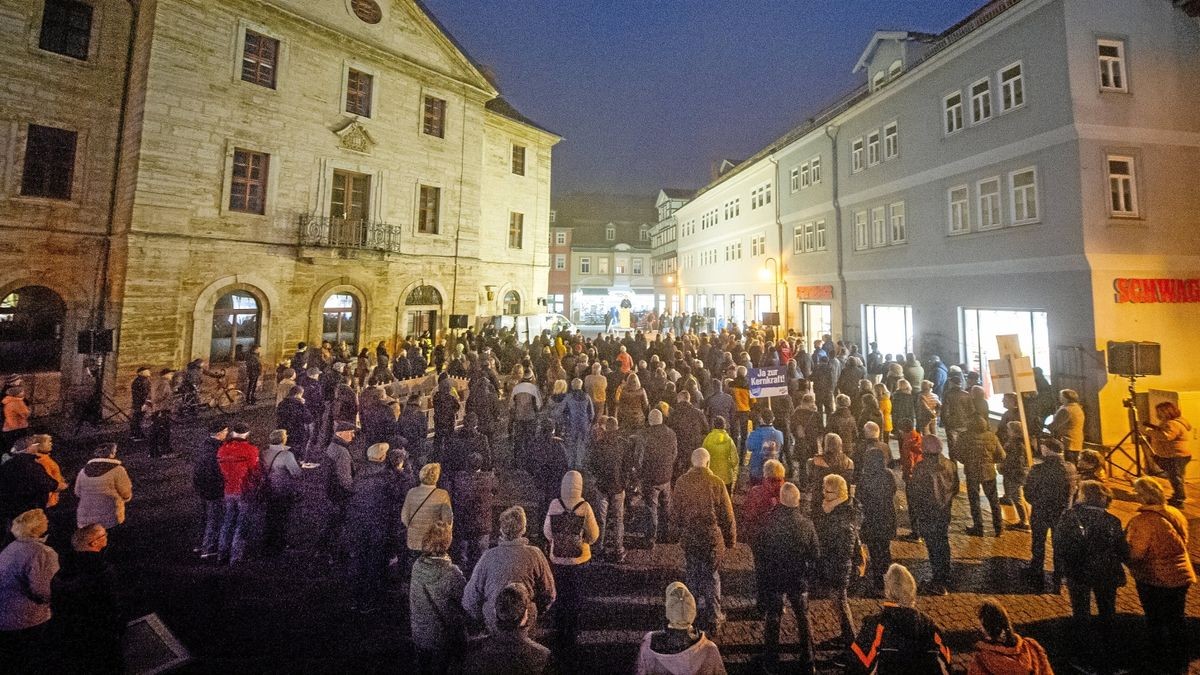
(372,499)
(786,553)
(27,566)
(281,471)
(1067,424)
(832,460)
(704,513)
(87,619)
(901,638)
(510,644)
(512,560)
(103,487)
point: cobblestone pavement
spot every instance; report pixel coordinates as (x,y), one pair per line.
(292,614)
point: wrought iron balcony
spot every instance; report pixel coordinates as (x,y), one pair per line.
(331,232)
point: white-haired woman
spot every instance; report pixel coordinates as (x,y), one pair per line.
(27,566)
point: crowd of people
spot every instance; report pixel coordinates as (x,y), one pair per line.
(658,435)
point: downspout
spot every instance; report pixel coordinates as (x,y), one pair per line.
(837,220)
(779,278)
(458,230)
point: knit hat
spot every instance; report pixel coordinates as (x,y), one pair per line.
(834,492)
(342,427)
(789,495)
(899,586)
(931,445)
(871,430)
(339,366)
(680,606)
(655,417)
(430,473)
(700,457)
(378,452)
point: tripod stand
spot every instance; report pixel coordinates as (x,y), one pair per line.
(1134,438)
(92,411)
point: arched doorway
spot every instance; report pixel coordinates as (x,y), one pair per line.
(512,303)
(339,321)
(236,327)
(31,328)
(422,306)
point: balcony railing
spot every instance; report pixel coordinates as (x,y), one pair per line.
(343,233)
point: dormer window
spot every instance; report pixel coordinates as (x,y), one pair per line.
(878,81)
(610,233)
(895,69)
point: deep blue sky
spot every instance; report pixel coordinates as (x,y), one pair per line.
(649,94)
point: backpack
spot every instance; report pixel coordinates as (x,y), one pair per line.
(1070,540)
(257,485)
(567,531)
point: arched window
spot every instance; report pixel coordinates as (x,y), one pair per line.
(877,82)
(421,318)
(512,303)
(236,321)
(894,69)
(340,321)
(424,295)
(31,327)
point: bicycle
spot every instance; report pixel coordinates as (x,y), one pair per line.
(188,403)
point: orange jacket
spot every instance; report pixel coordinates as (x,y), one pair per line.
(1158,547)
(16,414)
(1027,657)
(55,472)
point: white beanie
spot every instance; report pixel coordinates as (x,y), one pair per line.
(378,452)
(899,586)
(680,606)
(700,457)
(655,417)
(871,430)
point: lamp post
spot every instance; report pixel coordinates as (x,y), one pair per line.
(774,273)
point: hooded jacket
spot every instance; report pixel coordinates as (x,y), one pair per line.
(1158,541)
(1026,657)
(702,658)
(103,487)
(16,414)
(435,599)
(237,458)
(899,641)
(723,455)
(703,513)
(206,472)
(570,494)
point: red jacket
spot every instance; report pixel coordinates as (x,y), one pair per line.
(759,502)
(237,458)
(910,452)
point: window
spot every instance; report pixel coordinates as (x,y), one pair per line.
(820,236)
(518,160)
(349,204)
(428,210)
(758,245)
(1012,88)
(856,156)
(862,236)
(248,186)
(516,229)
(1112,65)
(878,227)
(31,330)
(603,265)
(810,236)
(636,267)
(620,266)
(236,318)
(560,238)
(815,164)
(760,196)
(873,149)
(980,328)
(954,112)
(66,28)
(49,162)
(1024,196)
(878,80)
(890,327)
(512,303)
(895,69)
(960,220)
(805,175)
(610,233)
(989,203)
(1122,186)
(585,265)
(260,59)
(340,320)
(555,303)
(899,228)
(358,93)
(795,177)
(560,262)
(433,121)
(644,234)
(891,141)
(798,239)
(981,101)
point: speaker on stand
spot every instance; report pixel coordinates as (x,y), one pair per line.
(1133,360)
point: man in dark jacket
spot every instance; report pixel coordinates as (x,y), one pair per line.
(414,427)
(294,416)
(901,638)
(848,379)
(445,413)
(1049,489)
(786,553)
(482,400)
(823,385)
(87,622)
(658,449)
(24,485)
(576,424)
(703,512)
(509,644)
(373,497)
(979,450)
(210,487)
(1089,551)
(339,487)
(139,391)
(611,464)
(690,427)
(933,487)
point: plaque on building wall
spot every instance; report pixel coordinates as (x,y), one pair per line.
(367,10)
(814,292)
(1155,291)
(354,137)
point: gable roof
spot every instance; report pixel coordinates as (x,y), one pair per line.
(666,194)
(484,82)
(595,235)
(502,107)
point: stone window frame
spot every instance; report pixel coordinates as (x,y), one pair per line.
(19,134)
(99,14)
(281,60)
(416,208)
(444,97)
(231,146)
(512,159)
(373,104)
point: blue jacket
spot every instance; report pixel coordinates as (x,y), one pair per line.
(754,443)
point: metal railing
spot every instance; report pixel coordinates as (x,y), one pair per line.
(332,232)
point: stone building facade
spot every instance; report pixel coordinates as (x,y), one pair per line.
(289,171)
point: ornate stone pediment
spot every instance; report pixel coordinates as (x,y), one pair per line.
(354,137)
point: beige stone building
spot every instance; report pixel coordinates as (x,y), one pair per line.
(289,171)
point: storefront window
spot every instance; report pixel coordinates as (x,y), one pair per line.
(236,321)
(762,305)
(980,328)
(818,321)
(891,326)
(340,320)
(31,326)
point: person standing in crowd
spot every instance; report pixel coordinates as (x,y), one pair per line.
(719,404)
(761,499)
(704,511)
(339,485)
(876,492)
(293,416)
(979,450)
(611,463)
(87,622)
(632,403)
(43,445)
(16,417)
(659,451)
(831,461)
(525,403)
(931,498)
(1162,570)
(571,528)
(929,406)
(1089,551)
(596,386)
(509,644)
(209,485)
(1067,424)
(1050,487)
(870,440)
(806,430)
(253,373)
(740,423)
(1002,651)
(901,638)
(576,423)
(281,472)
(139,395)
(424,505)
(162,398)
(103,487)
(786,555)
(24,484)
(1015,470)
(512,561)
(904,404)
(473,493)
(435,595)
(445,414)
(723,454)
(843,424)
(764,443)
(27,566)
(1170,442)
(238,460)
(679,648)
(838,525)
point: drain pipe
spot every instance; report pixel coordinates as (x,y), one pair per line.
(832,132)
(779,278)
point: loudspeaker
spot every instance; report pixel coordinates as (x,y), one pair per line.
(458,320)
(770,318)
(1134,358)
(95,341)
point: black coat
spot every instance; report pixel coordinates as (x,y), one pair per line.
(24,485)
(932,488)
(900,641)
(1050,487)
(139,391)
(294,417)
(876,491)
(659,450)
(786,551)
(1090,547)
(87,621)
(838,532)
(206,472)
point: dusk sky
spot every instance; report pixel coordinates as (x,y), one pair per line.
(650,94)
